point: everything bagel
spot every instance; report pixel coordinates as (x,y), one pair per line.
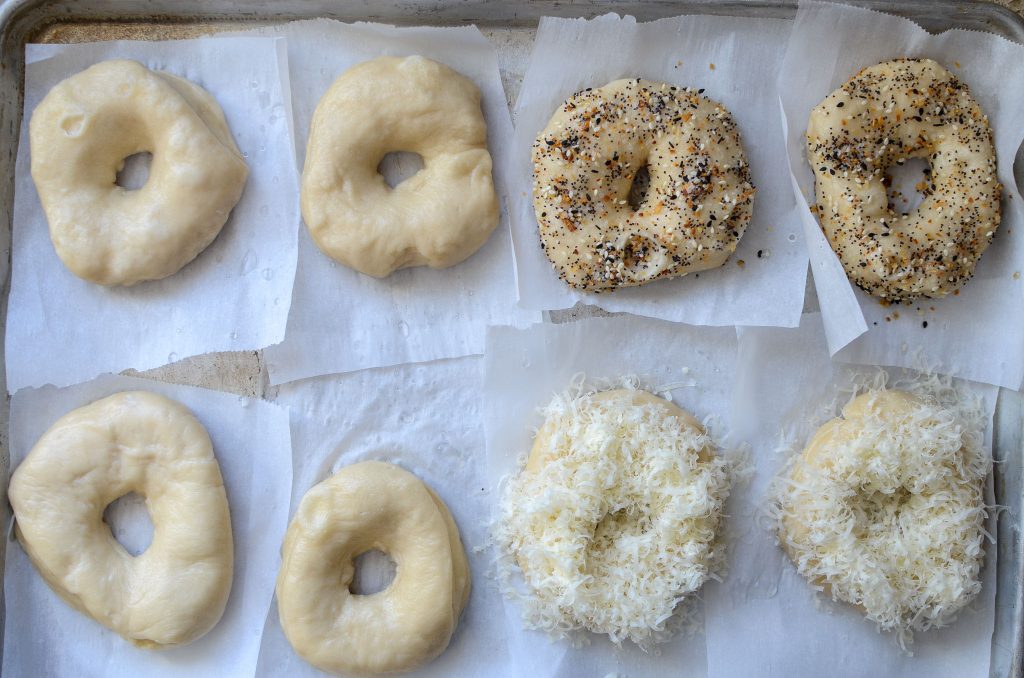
(884,115)
(698,203)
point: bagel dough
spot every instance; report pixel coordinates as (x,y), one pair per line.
(176,590)
(439,216)
(80,135)
(884,115)
(885,510)
(364,507)
(698,203)
(614,518)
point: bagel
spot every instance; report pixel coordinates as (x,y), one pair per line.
(176,590)
(885,510)
(614,518)
(439,216)
(884,115)
(364,507)
(698,203)
(80,135)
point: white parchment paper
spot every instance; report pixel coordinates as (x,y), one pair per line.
(736,61)
(765,620)
(342,320)
(524,370)
(44,636)
(426,419)
(968,335)
(234,296)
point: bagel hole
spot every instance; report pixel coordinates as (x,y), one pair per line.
(907,185)
(878,509)
(130,523)
(134,172)
(374,572)
(630,521)
(638,190)
(398,166)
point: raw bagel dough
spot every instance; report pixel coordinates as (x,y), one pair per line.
(698,203)
(614,518)
(371,506)
(861,475)
(176,590)
(907,108)
(461,580)
(80,135)
(439,216)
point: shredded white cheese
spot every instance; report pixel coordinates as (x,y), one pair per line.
(613,520)
(885,508)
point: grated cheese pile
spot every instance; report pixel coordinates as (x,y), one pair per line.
(613,520)
(885,508)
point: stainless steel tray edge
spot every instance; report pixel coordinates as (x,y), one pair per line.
(1008,638)
(933,15)
(22,20)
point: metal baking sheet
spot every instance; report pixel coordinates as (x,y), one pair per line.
(510,26)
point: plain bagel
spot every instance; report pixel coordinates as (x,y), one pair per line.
(176,590)
(437,217)
(364,507)
(82,132)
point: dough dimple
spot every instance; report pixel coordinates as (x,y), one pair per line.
(173,592)
(884,115)
(370,506)
(439,216)
(80,135)
(698,203)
